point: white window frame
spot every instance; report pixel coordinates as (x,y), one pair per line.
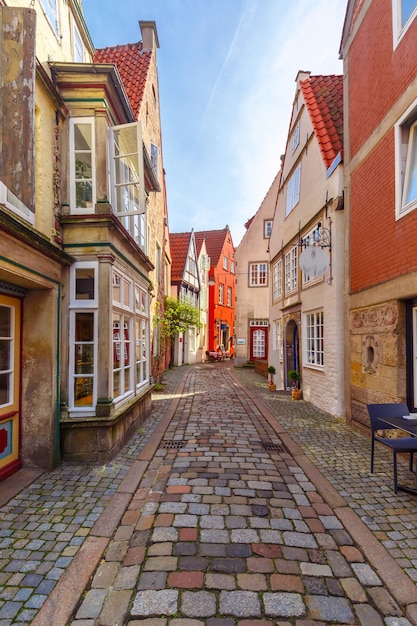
(225,263)
(399,25)
(277,345)
(291,270)
(296,136)
(293,190)
(50,8)
(127,180)
(78,46)
(277,280)
(267,229)
(78,121)
(221,293)
(76,307)
(258,274)
(12,202)
(313,335)
(405,141)
(232,267)
(229,296)
(154,158)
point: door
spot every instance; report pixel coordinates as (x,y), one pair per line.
(258,343)
(10,315)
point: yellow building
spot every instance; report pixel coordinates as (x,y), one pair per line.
(75,254)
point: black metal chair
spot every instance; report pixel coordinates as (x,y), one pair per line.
(402,444)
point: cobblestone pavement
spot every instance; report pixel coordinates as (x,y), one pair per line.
(216,514)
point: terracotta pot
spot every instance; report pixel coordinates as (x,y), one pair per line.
(272,387)
(296,394)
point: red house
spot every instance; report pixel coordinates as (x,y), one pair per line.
(222,287)
(380,73)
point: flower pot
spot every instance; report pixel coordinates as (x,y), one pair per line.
(272,387)
(296,394)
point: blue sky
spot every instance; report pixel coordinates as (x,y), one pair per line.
(227,72)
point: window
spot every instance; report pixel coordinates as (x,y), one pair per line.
(267,228)
(277,280)
(277,338)
(293,190)
(406,162)
(157,264)
(82,164)
(192,266)
(314,338)
(130,336)
(78,46)
(83,337)
(257,274)
(221,293)
(291,270)
(229,296)
(128,191)
(403,14)
(225,263)
(296,136)
(50,8)
(232,267)
(154,159)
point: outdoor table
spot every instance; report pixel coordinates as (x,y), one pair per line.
(408,424)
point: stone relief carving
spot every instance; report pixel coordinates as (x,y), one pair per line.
(382,317)
(370,354)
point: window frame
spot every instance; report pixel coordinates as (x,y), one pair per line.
(313,334)
(78,121)
(405,139)
(128,183)
(295,141)
(277,280)
(229,296)
(221,293)
(78,45)
(293,190)
(400,26)
(51,12)
(291,270)
(81,307)
(267,229)
(257,276)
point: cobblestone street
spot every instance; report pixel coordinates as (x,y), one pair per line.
(234,505)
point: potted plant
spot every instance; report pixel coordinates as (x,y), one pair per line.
(271,372)
(295,376)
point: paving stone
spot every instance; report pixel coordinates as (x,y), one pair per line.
(92,604)
(330,609)
(152,580)
(198,603)
(240,603)
(115,608)
(283,604)
(219,581)
(151,602)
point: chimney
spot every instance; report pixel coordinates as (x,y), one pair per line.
(149,36)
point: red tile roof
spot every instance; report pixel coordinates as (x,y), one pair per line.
(323,96)
(132,64)
(179,244)
(215,240)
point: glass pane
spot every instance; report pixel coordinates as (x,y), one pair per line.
(116,384)
(83,165)
(407,7)
(84,195)
(82,136)
(84,362)
(84,327)
(127,379)
(83,391)
(116,287)
(5,321)
(5,396)
(84,284)
(126,292)
(116,341)
(412,168)
(5,363)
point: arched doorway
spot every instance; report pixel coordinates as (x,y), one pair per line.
(292,350)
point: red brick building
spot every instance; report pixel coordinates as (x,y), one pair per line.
(380,73)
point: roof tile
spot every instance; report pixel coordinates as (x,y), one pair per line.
(323,96)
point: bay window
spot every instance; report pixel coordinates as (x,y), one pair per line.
(82,165)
